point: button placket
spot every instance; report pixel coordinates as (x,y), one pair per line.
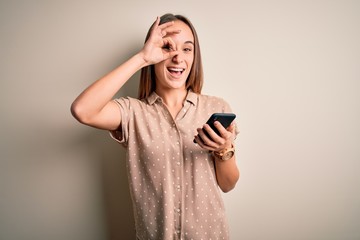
(178,180)
(178,174)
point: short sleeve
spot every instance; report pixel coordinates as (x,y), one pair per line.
(121,135)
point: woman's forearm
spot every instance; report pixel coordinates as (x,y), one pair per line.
(227,173)
(93,100)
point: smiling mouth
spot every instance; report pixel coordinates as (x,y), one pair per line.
(176,71)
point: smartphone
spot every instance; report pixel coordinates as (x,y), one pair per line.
(224,118)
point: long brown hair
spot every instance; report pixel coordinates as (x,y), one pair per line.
(194,81)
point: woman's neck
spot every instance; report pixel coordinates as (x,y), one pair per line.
(173,99)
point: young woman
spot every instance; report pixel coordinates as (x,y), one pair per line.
(175,170)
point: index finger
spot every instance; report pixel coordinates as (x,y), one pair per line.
(166,31)
(165,25)
(162,26)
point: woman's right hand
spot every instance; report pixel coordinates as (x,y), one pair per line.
(159,45)
(94,106)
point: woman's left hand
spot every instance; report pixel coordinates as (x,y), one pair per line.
(227,173)
(215,142)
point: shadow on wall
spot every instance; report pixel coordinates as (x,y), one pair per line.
(118,204)
(117,201)
(110,158)
(105,161)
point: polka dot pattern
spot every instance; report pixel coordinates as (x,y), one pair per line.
(172,180)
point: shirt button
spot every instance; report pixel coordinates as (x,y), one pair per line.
(178,187)
(178,163)
(178,210)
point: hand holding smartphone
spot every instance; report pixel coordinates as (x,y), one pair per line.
(224,118)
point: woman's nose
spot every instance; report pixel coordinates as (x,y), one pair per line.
(177,58)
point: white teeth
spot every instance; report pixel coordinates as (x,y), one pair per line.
(176,69)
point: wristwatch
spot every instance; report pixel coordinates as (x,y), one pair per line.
(225,154)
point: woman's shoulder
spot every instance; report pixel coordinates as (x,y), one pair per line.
(131,101)
(211,98)
(216,103)
(131,105)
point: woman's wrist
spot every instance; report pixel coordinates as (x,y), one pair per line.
(226,146)
(225,153)
(141,59)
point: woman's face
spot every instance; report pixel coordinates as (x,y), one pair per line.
(173,72)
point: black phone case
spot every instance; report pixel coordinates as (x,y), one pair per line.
(224,118)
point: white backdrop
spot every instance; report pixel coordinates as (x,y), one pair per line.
(289,69)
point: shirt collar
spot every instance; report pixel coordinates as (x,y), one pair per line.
(191,97)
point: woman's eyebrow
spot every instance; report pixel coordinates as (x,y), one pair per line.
(189,42)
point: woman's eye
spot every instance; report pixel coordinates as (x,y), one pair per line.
(187,49)
(167,47)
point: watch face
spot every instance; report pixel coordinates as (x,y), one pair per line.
(228,155)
